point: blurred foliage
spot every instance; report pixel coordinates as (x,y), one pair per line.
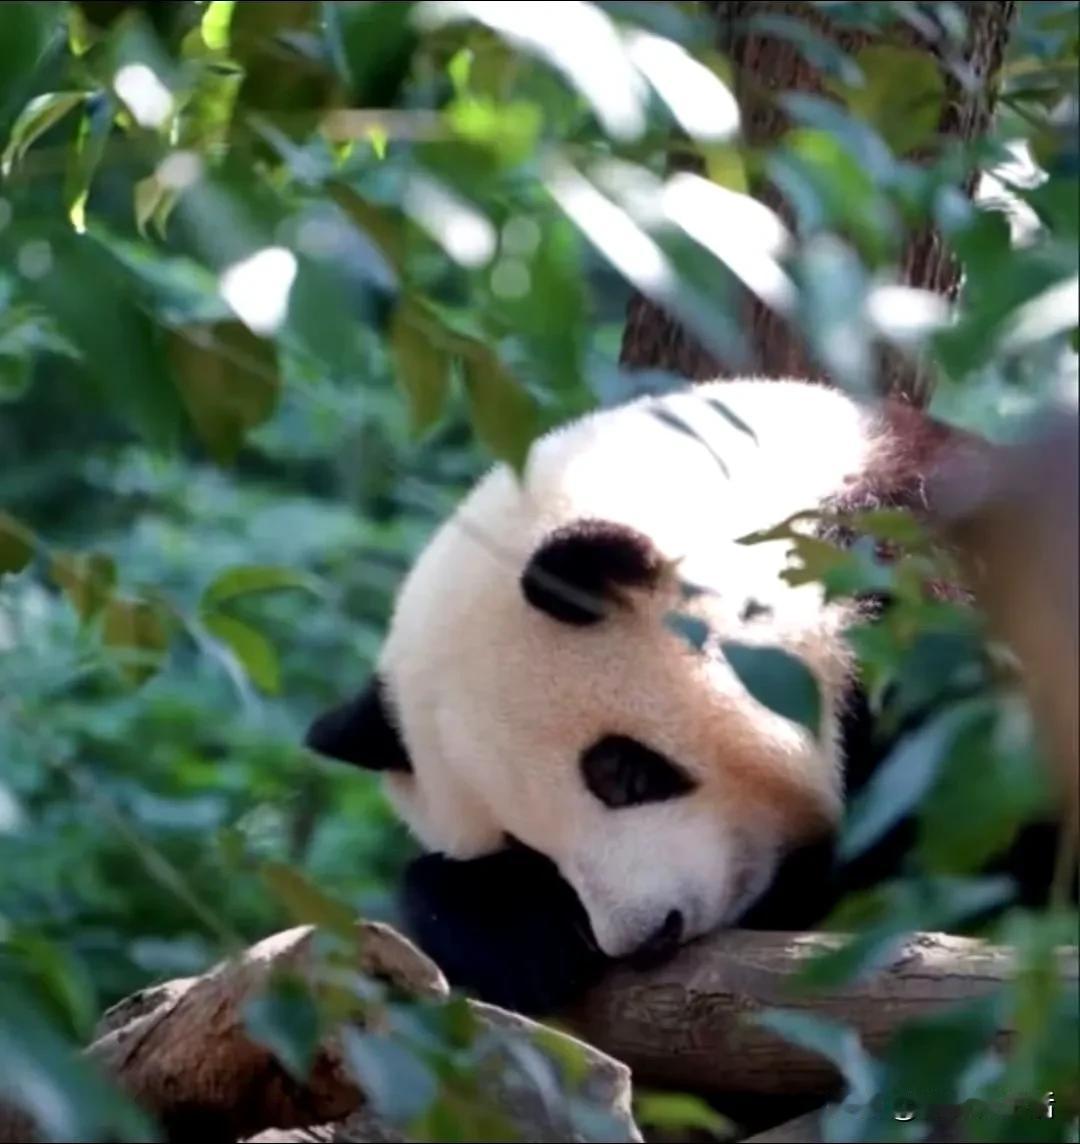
(277,281)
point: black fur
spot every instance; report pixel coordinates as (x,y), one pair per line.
(506,928)
(361,732)
(620,771)
(576,574)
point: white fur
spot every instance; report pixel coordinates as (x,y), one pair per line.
(496,700)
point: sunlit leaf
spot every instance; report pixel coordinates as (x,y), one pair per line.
(698,99)
(149,196)
(41,113)
(901,94)
(568,1054)
(582,34)
(675,1112)
(16,544)
(84,158)
(254,651)
(229,380)
(510,129)
(778,680)
(216,24)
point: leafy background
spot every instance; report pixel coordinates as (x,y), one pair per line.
(277,281)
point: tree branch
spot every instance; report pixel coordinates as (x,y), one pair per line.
(687,1024)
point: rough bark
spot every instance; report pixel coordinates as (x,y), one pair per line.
(182,1053)
(688,1023)
(765,65)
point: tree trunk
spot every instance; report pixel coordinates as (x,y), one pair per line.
(765,65)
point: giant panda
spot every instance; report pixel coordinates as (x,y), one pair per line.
(588,784)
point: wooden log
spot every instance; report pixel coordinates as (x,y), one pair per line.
(685,1024)
(181,1051)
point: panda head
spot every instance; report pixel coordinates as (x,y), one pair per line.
(532,687)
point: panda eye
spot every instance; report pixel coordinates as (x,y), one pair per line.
(620,772)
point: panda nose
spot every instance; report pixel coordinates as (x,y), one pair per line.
(661,944)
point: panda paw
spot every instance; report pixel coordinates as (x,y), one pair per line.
(505,928)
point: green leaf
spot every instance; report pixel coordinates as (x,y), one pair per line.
(216,23)
(985,792)
(902,94)
(779,681)
(399,1085)
(84,159)
(422,369)
(246,579)
(504,414)
(149,196)
(376,44)
(568,1054)
(278,76)
(120,346)
(254,651)
(692,629)
(927,1055)
(16,544)
(285,1019)
(889,913)
(677,1113)
(510,129)
(229,381)
(138,625)
(306,903)
(893,524)
(34,120)
(50,1081)
(785,530)
(385,229)
(86,578)
(902,780)
(830,1039)
(25,31)
(15,374)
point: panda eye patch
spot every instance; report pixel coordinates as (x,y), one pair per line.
(620,772)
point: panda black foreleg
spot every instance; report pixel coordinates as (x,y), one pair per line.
(505,928)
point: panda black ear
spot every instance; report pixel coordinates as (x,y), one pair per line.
(576,574)
(362,732)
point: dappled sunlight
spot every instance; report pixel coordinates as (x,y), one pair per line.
(257,288)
